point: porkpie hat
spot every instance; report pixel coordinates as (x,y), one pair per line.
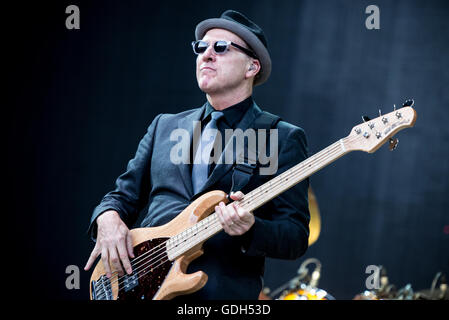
(250,32)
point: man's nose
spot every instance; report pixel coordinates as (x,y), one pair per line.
(209,54)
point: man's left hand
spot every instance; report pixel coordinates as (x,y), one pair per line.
(233,218)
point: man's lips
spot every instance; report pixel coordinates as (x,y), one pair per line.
(207,68)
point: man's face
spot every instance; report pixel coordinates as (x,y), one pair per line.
(219,73)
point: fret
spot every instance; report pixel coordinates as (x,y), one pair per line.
(294,175)
(208,231)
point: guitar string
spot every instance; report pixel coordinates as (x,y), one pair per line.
(150,268)
(278,184)
(173,239)
(151,253)
(329,152)
(133,263)
(251,197)
(325,152)
(176,241)
(323,155)
(260,192)
(161,262)
(145,263)
(320,156)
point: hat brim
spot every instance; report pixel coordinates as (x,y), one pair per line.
(249,37)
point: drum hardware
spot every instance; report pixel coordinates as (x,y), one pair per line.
(435,293)
(304,285)
(388,291)
(405,293)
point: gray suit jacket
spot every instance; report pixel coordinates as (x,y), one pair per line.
(281,228)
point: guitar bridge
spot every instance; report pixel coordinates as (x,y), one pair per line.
(101,289)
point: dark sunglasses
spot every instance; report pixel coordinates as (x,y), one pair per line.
(220,47)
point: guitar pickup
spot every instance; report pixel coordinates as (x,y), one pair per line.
(130,282)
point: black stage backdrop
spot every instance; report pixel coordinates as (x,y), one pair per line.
(82,100)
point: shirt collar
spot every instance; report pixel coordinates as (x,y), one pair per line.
(232,114)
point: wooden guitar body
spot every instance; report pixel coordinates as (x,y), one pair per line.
(158,277)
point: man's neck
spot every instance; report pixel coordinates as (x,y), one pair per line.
(221,101)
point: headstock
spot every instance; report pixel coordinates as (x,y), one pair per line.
(373,133)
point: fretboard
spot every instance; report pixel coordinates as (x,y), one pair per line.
(209,226)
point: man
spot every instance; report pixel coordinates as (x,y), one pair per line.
(232,59)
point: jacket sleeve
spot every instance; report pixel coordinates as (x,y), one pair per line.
(132,187)
(281,227)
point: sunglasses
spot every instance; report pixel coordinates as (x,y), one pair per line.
(220,47)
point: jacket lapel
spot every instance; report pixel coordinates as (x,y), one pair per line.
(222,168)
(187,123)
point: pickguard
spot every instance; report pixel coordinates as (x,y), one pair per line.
(149,271)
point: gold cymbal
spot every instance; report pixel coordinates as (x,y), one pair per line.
(315,220)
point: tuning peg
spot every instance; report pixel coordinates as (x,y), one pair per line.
(408,103)
(380,113)
(393,143)
(394,107)
(365,118)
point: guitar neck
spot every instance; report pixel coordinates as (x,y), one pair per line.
(210,226)
(293,176)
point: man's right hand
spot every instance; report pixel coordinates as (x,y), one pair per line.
(114,243)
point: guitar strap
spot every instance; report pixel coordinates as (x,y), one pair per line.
(247,161)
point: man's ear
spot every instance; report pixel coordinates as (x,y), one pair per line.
(253,68)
